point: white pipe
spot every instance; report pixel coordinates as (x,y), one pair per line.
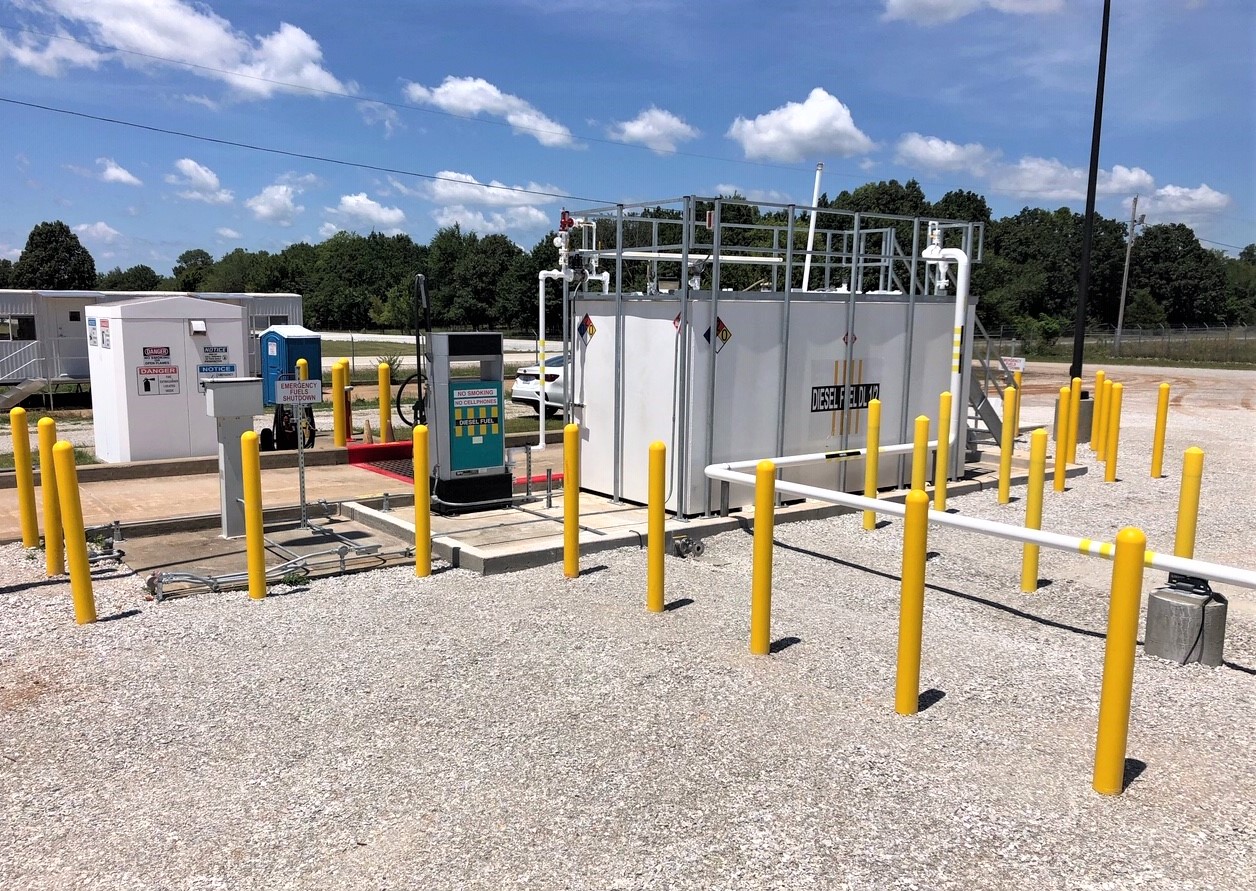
(693,258)
(542,277)
(1216,572)
(935,251)
(811,230)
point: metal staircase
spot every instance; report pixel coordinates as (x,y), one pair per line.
(990,371)
(14,395)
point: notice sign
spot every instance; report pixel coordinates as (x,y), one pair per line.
(298,392)
(472,397)
(158,380)
(213,372)
(156,355)
(93,339)
(104,335)
(214,355)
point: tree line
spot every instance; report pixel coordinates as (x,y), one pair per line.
(1027,277)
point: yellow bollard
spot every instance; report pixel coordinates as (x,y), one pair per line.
(422,505)
(911,610)
(1118,662)
(75,537)
(255,545)
(656,536)
(1157,442)
(920,453)
(1188,503)
(1033,507)
(385,401)
(1096,423)
(872,460)
(1005,449)
(1018,378)
(25,478)
(339,437)
(942,459)
(1103,418)
(1061,438)
(54,544)
(571,501)
(1074,417)
(303,370)
(1113,441)
(761,561)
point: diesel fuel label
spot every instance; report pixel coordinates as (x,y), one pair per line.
(852,396)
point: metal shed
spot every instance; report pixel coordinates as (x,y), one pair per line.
(43,334)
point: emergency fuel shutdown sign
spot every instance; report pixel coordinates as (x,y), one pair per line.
(298,392)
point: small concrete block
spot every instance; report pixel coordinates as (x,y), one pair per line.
(1184,626)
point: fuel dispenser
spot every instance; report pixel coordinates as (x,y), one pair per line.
(465,415)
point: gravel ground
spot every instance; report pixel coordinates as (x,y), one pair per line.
(525,732)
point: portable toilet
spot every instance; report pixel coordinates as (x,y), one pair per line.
(281,346)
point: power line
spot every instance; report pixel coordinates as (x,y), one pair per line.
(301,155)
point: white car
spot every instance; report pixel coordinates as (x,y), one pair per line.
(532,387)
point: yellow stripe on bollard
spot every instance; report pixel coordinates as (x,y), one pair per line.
(385,402)
(656,536)
(339,436)
(911,610)
(761,560)
(1188,503)
(1074,417)
(1061,438)
(920,453)
(1157,441)
(24,473)
(254,531)
(872,460)
(942,460)
(1005,448)
(75,536)
(422,504)
(1118,662)
(1112,444)
(54,544)
(1033,507)
(1096,423)
(571,501)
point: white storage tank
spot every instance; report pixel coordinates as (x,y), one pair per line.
(148,359)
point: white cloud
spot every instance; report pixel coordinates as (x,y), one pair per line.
(402,188)
(366,211)
(99,231)
(937,12)
(229,234)
(463,188)
(771,196)
(276,204)
(378,113)
(656,128)
(473,95)
(1179,201)
(286,60)
(1050,179)
(513,219)
(113,172)
(198,182)
(820,125)
(327,230)
(934,154)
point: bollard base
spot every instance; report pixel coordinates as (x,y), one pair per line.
(1186,622)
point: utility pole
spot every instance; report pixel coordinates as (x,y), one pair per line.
(1135,220)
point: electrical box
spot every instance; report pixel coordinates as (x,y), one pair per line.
(467,418)
(281,346)
(236,397)
(149,360)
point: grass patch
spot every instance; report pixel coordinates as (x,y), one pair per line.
(81,457)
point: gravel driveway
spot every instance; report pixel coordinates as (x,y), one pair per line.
(523,731)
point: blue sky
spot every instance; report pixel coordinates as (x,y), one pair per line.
(602,102)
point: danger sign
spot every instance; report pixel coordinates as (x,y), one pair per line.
(158,380)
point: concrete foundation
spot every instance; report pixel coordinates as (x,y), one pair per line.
(1186,625)
(1085,419)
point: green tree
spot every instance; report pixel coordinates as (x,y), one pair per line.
(960,204)
(1180,274)
(54,259)
(6,273)
(136,278)
(190,270)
